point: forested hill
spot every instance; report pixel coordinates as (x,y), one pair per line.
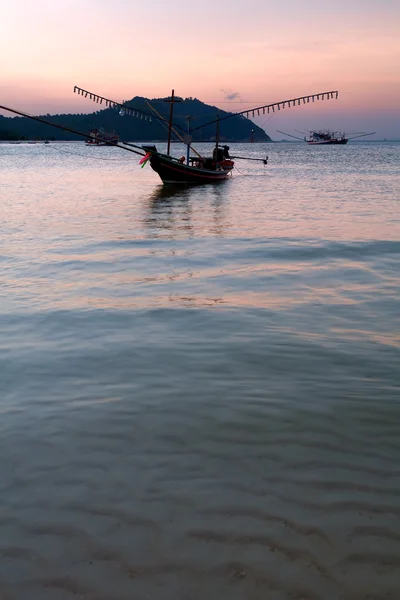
(235,129)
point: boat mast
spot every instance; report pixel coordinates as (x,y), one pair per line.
(171,110)
(187,139)
(217,137)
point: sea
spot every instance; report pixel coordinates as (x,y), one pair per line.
(200,386)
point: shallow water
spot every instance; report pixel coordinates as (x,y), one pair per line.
(200,386)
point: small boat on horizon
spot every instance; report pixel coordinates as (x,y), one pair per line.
(324,137)
(98,137)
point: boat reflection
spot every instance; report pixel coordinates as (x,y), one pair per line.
(169,209)
(193,210)
(163,192)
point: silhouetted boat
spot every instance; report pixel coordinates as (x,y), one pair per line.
(190,169)
(199,170)
(325,137)
(98,137)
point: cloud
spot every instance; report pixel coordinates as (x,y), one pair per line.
(229,95)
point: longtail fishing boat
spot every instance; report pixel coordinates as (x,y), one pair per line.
(196,169)
(186,169)
(199,169)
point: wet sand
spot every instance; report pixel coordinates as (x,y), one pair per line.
(173,495)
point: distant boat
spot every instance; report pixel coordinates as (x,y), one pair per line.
(324,137)
(98,137)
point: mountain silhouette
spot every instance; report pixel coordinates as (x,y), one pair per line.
(235,129)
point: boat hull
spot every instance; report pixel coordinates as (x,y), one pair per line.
(328,142)
(172,172)
(110,143)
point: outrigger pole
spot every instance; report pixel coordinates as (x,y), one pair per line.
(132,111)
(274,105)
(290,135)
(75,131)
(360,135)
(263,160)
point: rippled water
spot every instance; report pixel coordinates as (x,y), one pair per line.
(200,386)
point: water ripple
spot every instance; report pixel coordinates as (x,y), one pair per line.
(200,387)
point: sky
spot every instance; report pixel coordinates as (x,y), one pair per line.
(234,55)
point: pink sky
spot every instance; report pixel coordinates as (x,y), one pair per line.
(261,51)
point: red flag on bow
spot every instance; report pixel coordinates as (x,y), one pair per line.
(144,160)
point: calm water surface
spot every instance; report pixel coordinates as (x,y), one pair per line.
(200,386)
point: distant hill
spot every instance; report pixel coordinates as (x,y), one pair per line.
(235,129)
(7,134)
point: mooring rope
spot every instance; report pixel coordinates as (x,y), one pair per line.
(83,155)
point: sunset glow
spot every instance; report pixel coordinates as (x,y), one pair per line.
(253,52)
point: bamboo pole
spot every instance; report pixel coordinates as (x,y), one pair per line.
(74,131)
